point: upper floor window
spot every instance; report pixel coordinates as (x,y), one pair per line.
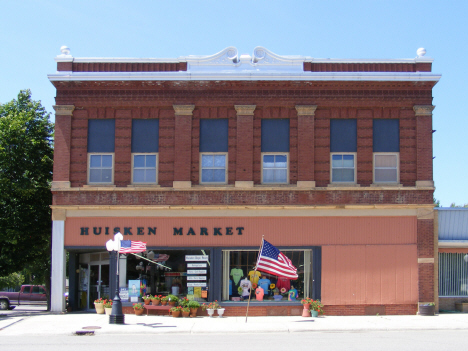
(145,147)
(213,151)
(343,147)
(386,147)
(101,144)
(275,151)
(274,168)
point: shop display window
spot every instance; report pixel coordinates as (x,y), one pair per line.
(184,273)
(240,280)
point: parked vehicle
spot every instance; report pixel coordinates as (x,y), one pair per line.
(28,295)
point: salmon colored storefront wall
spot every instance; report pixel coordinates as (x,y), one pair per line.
(242,231)
(369,274)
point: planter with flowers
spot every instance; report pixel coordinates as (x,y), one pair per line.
(138,308)
(172,300)
(185,311)
(211,307)
(176,310)
(147,299)
(184,302)
(156,300)
(194,306)
(164,300)
(316,308)
(306,303)
(108,307)
(99,305)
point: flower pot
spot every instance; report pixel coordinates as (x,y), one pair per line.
(193,312)
(108,310)
(164,303)
(172,303)
(139,312)
(147,301)
(426,310)
(155,302)
(314,313)
(210,312)
(306,306)
(99,306)
(176,314)
(220,312)
(185,314)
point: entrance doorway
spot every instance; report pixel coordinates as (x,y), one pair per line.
(98,283)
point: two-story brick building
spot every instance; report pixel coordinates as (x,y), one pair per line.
(329,159)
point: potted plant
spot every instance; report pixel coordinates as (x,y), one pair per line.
(172,300)
(185,311)
(156,300)
(194,306)
(138,308)
(306,302)
(147,299)
(164,300)
(427,309)
(99,305)
(316,308)
(184,302)
(211,307)
(108,307)
(176,310)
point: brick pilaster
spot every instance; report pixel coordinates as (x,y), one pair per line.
(244,157)
(183,144)
(305,147)
(62,145)
(424,145)
(123,145)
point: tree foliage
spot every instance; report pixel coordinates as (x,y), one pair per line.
(26,155)
(11,281)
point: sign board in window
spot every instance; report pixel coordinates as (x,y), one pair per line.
(196,271)
(197,284)
(196,257)
(196,278)
(196,265)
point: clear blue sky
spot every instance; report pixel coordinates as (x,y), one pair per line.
(31,33)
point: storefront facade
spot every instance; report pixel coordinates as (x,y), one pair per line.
(201,157)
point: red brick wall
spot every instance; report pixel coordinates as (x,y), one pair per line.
(244,154)
(182,148)
(322,147)
(424,147)
(305,148)
(364,146)
(426,282)
(296,310)
(123,144)
(62,148)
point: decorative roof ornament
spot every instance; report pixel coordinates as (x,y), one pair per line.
(65,50)
(421,52)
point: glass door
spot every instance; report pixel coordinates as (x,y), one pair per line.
(98,283)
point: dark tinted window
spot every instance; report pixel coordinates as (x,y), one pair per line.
(101,135)
(343,135)
(386,135)
(275,135)
(145,135)
(214,135)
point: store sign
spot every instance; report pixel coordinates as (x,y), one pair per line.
(196,258)
(196,271)
(196,278)
(217,231)
(196,265)
(196,284)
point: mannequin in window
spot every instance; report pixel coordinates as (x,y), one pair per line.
(246,285)
(254,276)
(292,294)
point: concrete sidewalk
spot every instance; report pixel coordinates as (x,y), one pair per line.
(70,323)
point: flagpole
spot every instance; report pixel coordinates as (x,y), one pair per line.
(255,271)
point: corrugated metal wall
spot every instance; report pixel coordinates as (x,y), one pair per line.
(369,274)
(453,223)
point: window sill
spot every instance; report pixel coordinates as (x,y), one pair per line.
(386,185)
(98,185)
(149,185)
(343,185)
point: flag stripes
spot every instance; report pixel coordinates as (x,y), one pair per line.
(273,261)
(129,246)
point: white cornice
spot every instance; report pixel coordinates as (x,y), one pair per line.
(236,75)
(229,65)
(453,244)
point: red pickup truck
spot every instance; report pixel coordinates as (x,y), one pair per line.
(28,295)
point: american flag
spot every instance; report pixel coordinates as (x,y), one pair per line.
(129,246)
(271,260)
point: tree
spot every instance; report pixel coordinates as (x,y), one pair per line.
(11,281)
(26,156)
